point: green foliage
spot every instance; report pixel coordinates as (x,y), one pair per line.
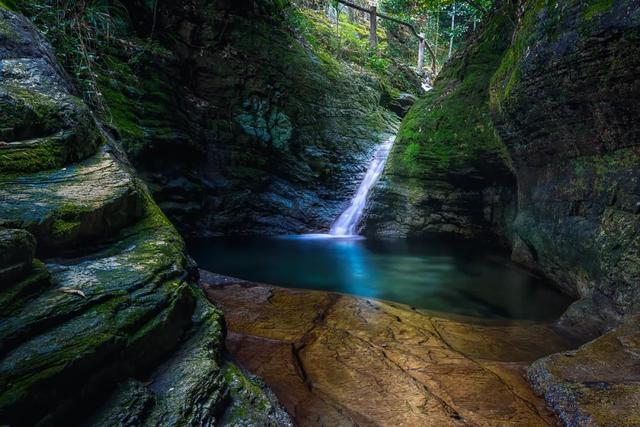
(596,7)
(433,18)
(8,4)
(117,72)
(349,43)
(78,29)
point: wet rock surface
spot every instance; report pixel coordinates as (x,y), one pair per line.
(563,108)
(98,301)
(340,360)
(257,131)
(597,384)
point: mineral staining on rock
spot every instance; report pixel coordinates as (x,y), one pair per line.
(269,125)
(341,360)
(113,314)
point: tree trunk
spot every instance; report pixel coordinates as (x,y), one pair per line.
(373,27)
(437,30)
(453,27)
(421,53)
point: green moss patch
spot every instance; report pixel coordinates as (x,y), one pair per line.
(596,7)
(7,4)
(451,129)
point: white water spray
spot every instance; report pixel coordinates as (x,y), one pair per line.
(347,222)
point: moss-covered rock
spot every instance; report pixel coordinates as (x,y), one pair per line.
(116,295)
(16,292)
(449,171)
(241,119)
(43,125)
(17,248)
(561,102)
(194,387)
(82,201)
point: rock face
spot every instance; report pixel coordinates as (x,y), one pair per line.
(250,126)
(547,104)
(527,134)
(562,105)
(341,360)
(106,328)
(597,384)
(448,171)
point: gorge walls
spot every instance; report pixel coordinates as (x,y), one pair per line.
(564,106)
(246,120)
(531,132)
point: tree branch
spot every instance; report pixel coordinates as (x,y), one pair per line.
(397,21)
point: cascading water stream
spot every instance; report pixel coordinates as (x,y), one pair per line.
(347,222)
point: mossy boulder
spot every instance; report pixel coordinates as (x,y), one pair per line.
(83,201)
(43,125)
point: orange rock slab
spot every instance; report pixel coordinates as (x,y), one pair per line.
(339,360)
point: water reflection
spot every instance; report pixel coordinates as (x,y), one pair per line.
(356,268)
(445,276)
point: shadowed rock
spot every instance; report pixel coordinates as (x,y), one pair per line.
(111,329)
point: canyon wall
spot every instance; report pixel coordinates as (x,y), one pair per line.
(243,119)
(101,319)
(531,133)
(563,103)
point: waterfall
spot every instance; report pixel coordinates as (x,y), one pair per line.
(347,222)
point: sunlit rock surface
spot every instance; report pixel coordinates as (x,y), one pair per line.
(597,384)
(340,360)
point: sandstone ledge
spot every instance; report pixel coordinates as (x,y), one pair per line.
(340,360)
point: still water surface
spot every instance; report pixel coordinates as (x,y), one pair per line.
(454,277)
